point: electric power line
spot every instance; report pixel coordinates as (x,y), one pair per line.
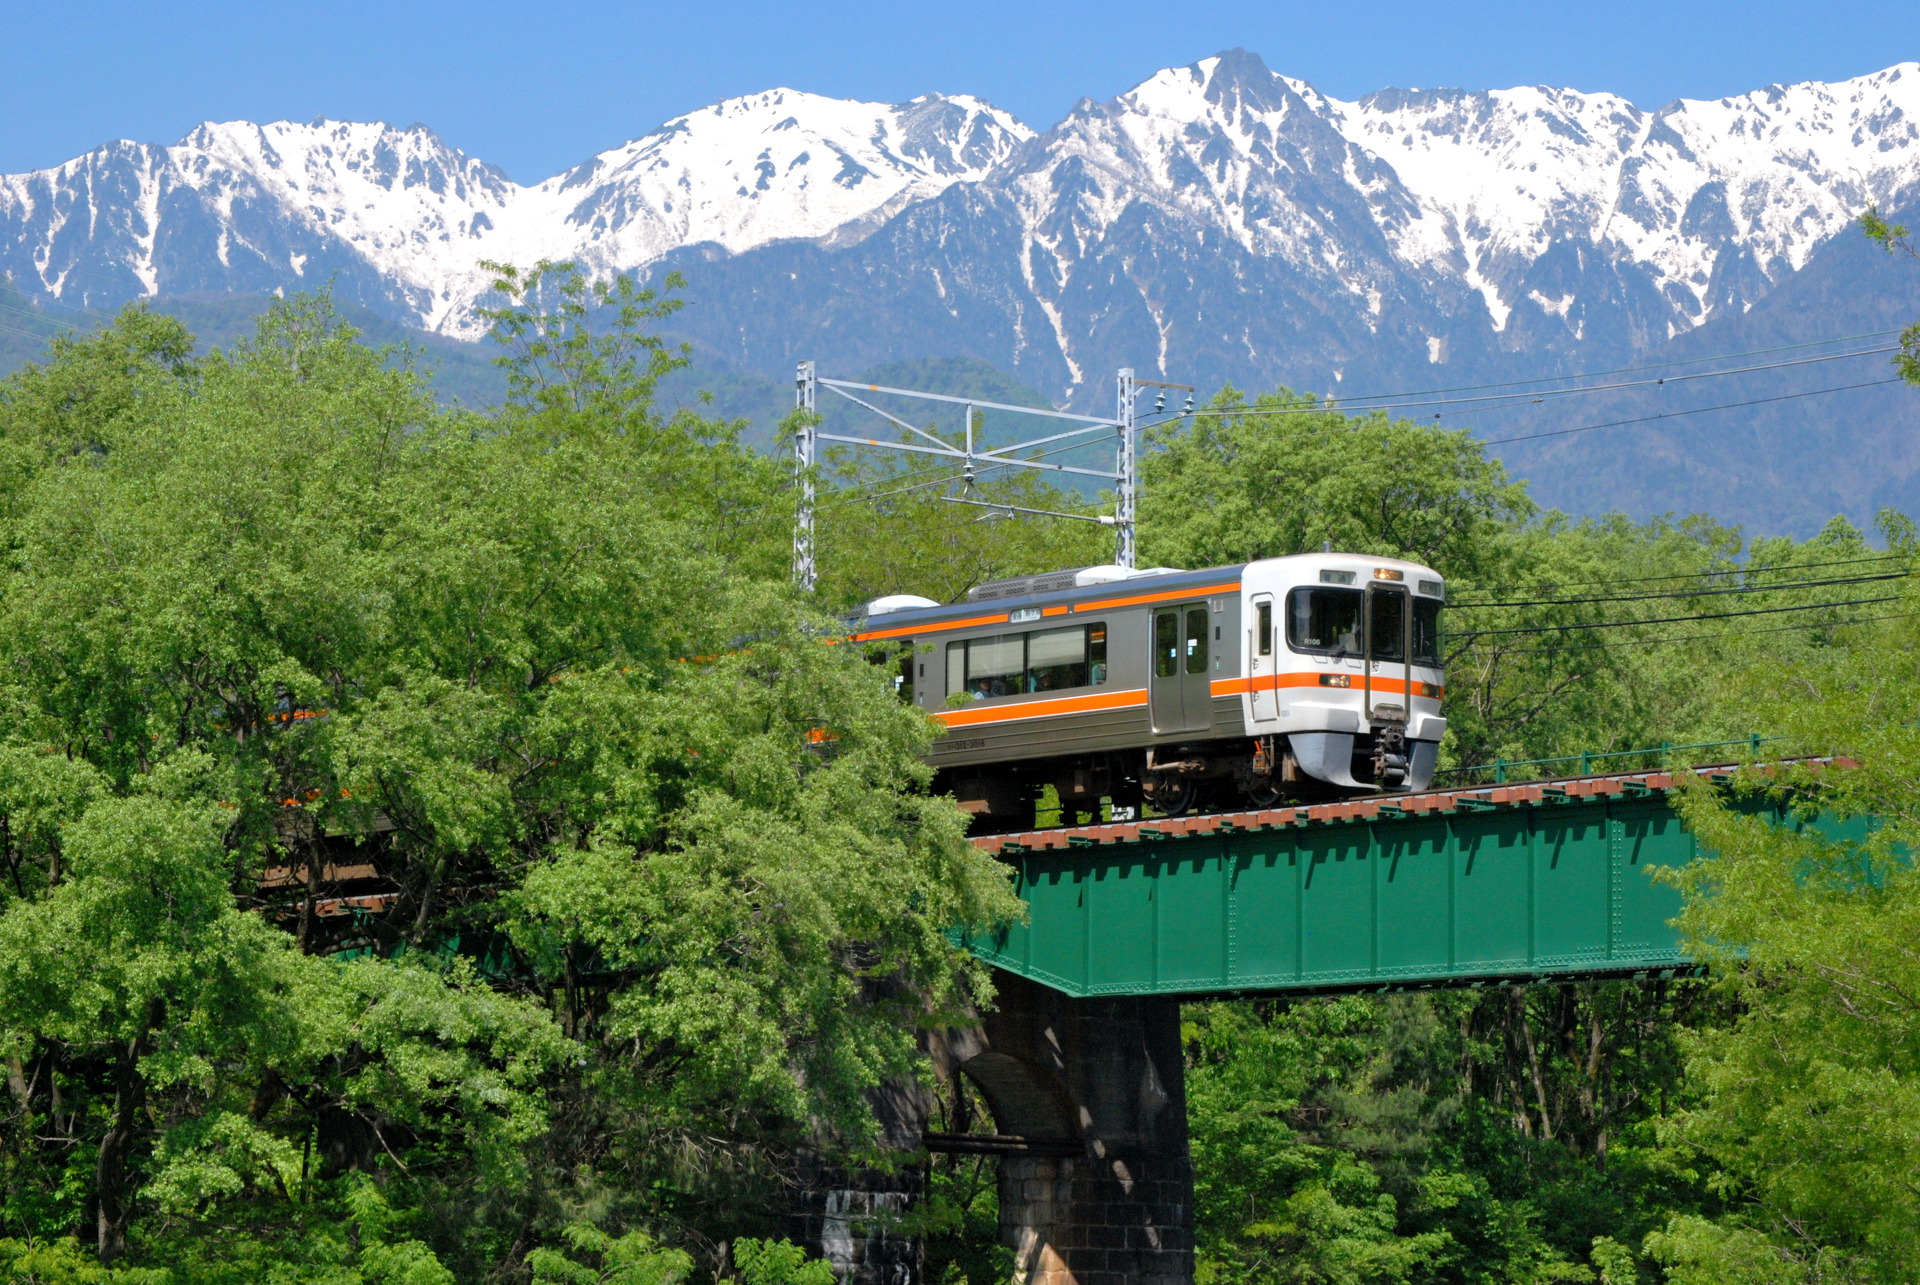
(1698,410)
(1628,370)
(1721,637)
(1682,593)
(1474,634)
(1400,402)
(1726,571)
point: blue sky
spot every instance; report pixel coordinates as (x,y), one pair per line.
(538,87)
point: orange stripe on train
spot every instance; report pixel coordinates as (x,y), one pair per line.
(973,716)
(904,632)
(1172,596)
(1274,682)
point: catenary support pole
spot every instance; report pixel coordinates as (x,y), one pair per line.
(805,441)
(1127,483)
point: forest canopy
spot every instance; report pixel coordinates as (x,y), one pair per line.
(270,611)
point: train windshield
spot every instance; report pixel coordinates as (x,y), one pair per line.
(1329,621)
(1333,622)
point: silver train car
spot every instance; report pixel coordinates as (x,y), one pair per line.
(1298,677)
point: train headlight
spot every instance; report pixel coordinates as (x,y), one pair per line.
(1336,680)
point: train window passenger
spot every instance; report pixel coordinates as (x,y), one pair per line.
(1057,659)
(1166,644)
(1197,640)
(1328,621)
(997,666)
(1426,632)
(1048,660)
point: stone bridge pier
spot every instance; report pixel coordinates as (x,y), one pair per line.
(1090,1129)
(1090,1111)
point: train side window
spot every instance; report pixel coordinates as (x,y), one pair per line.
(1265,629)
(1048,660)
(1327,621)
(1197,640)
(996,666)
(1057,659)
(1166,644)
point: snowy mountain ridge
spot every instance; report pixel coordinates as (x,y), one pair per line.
(238,206)
(1518,220)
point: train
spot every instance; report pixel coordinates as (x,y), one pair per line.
(1302,677)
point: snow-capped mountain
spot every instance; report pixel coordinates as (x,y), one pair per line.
(1217,213)
(1705,195)
(402,220)
(1217,223)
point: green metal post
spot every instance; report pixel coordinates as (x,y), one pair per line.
(1499,771)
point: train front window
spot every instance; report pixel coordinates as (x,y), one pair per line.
(1389,625)
(1426,632)
(1327,621)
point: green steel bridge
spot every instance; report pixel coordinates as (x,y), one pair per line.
(1547,880)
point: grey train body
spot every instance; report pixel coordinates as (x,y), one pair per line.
(1302,677)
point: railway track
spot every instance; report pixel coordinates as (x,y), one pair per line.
(1378,807)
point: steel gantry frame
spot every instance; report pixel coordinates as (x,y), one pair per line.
(972,456)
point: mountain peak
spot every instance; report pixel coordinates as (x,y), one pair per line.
(1471,196)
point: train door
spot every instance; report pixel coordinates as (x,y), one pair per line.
(1389,675)
(1260,669)
(1181,688)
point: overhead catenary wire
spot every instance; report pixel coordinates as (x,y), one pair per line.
(1698,410)
(1627,370)
(1682,593)
(1357,405)
(1716,571)
(1728,635)
(1473,634)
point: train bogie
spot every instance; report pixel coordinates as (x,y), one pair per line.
(1304,676)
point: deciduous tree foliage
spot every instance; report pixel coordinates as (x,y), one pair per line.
(667,895)
(272,610)
(1811,1099)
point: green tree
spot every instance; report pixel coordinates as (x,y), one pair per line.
(1282,475)
(1813,1095)
(277,617)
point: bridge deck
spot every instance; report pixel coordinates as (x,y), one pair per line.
(1547,879)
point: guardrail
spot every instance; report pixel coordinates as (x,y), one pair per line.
(1588,762)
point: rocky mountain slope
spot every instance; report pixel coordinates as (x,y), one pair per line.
(1218,223)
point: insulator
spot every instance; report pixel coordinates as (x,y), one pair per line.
(1160,402)
(1188,408)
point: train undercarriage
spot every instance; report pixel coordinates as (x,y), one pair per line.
(1174,779)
